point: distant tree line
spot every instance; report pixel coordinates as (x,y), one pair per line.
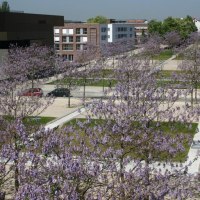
(98,19)
(183,26)
(4,7)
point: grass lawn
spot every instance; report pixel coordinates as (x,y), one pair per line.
(37,120)
(33,120)
(180,56)
(164,55)
(175,84)
(89,82)
(168,73)
(106,73)
(172,128)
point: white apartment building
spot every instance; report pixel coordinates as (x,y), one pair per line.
(115,32)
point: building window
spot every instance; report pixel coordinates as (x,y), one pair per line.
(103,37)
(64,39)
(81,39)
(67,47)
(70,57)
(70,38)
(131,35)
(119,36)
(131,29)
(78,31)
(56,31)
(56,46)
(67,39)
(67,31)
(78,39)
(84,39)
(79,46)
(103,29)
(84,30)
(56,39)
(64,57)
(122,29)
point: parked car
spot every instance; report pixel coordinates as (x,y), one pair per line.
(32,92)
(59,92)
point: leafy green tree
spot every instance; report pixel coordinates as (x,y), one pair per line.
(170,24)
(187,26)
(183,26)
(4,7)
(98,19)
(155,26)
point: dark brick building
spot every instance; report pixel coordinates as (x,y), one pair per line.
(23,28)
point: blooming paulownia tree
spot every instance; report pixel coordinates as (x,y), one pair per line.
(16,70)
(190,66)
(87,58)
(19,69)
(124,154)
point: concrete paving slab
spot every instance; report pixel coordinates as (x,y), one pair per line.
(171,65)
(60,108)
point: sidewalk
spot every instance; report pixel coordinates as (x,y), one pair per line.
(58,122)
(171,64)
(59,108)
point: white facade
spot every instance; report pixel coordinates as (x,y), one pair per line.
(56,30)
(67,31)
(197,23)
(115,32)
(56,38)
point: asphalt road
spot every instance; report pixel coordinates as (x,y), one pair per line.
(91,92)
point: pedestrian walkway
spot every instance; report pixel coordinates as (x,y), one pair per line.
(194,154)
(59,121)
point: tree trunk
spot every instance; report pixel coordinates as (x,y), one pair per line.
(32,83)
(122,192)
(16,160)
(69,98)
(2,195)
(16,175)
(195,93)
(103,81)
(192,98)
(84,85)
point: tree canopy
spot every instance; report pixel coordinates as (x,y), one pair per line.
(129,146)
(183,26)
(98,19)
(4,7)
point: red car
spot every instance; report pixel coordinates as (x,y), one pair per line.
(33,92)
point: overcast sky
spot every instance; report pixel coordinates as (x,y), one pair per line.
(117,9)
